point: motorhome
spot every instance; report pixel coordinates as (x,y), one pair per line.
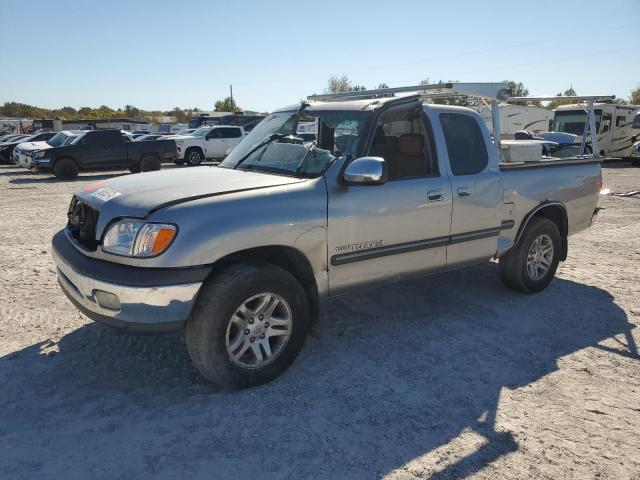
(514,118)
(613,122)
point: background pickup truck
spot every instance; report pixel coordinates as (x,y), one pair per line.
(211,143)
(240,255)
(103,149)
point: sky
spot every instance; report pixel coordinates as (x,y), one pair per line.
(160,54)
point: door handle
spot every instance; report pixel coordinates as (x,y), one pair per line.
(463,192)
(435,195)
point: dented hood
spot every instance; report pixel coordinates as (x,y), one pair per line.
(140,194)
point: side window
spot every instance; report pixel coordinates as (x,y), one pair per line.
(605,126)
(620,120)
(465,144)
(231,132)
(406,145)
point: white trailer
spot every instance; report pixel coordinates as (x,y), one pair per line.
(613,123)
(514,118)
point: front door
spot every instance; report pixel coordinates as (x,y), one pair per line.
(397,229)
(214,143)
(477,189)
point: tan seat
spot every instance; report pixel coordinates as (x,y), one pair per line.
(408,160)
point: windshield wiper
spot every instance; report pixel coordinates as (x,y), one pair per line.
(271,138)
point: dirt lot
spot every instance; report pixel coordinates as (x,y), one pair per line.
(449,376)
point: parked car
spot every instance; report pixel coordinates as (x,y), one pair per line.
(103,149)
(8,138)
(635,154)
(210,143)
(6,149)
(22,152)
(240,255)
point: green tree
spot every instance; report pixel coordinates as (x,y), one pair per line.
(517,89)
(179,115)
(634,96)
(338,84)
(226,105)
(569,92)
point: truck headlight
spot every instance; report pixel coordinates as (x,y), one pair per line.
(39,154)
(134,238)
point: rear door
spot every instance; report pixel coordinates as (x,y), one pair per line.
(232,137)
(476,186)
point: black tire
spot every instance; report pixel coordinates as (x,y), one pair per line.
(150,164)
(65,169)
(513,265)
(219,299)
(635,162)
(193,156)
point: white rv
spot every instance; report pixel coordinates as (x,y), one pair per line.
(614,124)
(514,118)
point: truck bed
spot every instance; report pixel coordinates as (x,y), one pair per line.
(573,182)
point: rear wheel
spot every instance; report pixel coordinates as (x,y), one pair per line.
(65,169)
(248,325)
(193,156)
(150,164)
(531,265)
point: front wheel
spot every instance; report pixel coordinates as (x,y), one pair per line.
(65,169)
(248,325)
(193,157)
(531,265)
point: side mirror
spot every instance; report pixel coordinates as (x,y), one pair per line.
(366,171)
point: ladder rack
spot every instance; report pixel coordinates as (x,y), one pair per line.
(490,93)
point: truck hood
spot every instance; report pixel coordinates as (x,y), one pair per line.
(140,194)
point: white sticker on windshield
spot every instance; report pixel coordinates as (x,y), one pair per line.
(105,194)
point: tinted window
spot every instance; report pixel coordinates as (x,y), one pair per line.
(465,144)
(231,133)
(102,138)
(405,144)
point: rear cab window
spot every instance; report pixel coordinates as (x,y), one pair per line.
(465,143)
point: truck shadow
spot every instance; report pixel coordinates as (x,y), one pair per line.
(398,372)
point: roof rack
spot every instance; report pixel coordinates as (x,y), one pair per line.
(488,92)
(492,91)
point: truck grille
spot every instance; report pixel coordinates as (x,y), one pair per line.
(82,223)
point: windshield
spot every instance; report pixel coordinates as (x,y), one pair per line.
(58,139)
(273,147)
(572,121)
(200,132)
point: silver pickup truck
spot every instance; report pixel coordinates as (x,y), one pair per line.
(240,255)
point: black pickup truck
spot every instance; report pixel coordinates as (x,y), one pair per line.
(103,149)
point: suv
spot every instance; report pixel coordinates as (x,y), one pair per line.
(211,143)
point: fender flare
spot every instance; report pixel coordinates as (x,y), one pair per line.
(564,226)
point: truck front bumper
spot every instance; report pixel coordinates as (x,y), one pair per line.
(129,298)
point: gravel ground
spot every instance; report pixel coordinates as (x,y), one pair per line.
(445,377)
